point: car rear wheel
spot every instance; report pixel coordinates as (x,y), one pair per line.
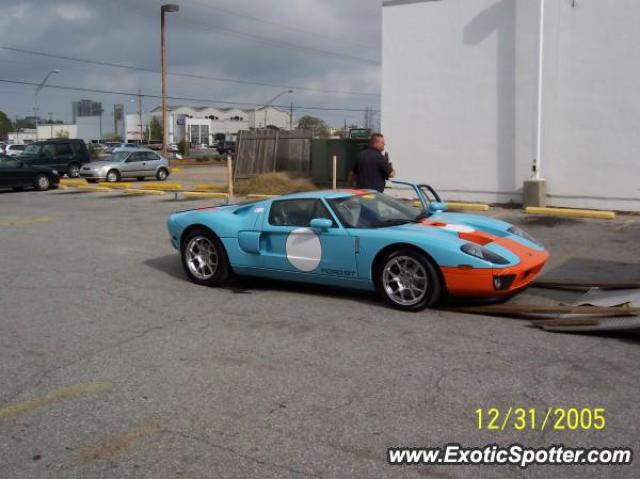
(162,174)
(408,280)
(74,170)
(204,259)
(42,182)
(113,176)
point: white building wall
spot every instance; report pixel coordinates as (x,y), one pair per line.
(459,98)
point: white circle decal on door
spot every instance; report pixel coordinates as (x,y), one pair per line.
(304,250)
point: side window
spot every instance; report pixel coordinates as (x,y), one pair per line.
(136,158)
(62,149)
(48,150)
(151,156)
(298,213)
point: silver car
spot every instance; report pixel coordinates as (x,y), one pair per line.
(139,163)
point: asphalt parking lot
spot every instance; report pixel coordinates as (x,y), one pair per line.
(114,365)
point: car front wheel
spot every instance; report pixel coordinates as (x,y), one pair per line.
(408,280)
(113,176)
(204,258)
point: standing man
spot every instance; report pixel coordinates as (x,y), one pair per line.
(372,168)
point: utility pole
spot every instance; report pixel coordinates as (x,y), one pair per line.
(167,8)
(291,117)
(140,125)
(50,124)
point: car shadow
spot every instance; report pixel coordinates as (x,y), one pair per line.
(171,266)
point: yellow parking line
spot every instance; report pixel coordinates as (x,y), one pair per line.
(210,187)
(73,181)
(624,225)
(52,398)
(204,195)
(25,221)
(134,192)
(570,213)
(94,189)
(116,445)
(162,186)
(115,186)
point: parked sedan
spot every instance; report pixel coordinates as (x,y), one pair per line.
(17,174)
(139,163)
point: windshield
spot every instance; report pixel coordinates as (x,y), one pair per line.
(118,157)
(32,150)
(374,210)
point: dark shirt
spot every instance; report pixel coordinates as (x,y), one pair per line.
(372,170)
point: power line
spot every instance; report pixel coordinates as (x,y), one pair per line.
(276,24)
(220,30)
(185,75)
(177,98)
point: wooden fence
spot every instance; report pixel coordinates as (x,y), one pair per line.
(267,151)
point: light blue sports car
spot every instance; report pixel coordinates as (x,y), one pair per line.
(359,239)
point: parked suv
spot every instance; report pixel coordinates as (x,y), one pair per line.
(65,156)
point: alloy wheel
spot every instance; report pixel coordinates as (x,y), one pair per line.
(201,257)
(405,280)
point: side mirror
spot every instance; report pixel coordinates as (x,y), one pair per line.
(436,206)
(322,224)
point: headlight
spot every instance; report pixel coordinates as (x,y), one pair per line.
(483,253)
(55,172)
(514,230)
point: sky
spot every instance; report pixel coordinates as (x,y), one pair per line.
(326,51)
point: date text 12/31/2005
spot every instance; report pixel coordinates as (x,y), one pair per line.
(558,418)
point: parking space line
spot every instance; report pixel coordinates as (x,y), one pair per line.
(116,445)
(624,225)
(54,397)
(25,221)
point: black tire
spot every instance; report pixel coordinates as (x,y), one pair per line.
(162,174)
(208,276)
(140,178)
(74,170)
(113,176)
(42,182)
(427,281)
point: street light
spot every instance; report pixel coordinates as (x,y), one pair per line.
(35,107)
(270,102)
(167,8)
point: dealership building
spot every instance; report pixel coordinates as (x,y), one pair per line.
(203,124)
(460,98)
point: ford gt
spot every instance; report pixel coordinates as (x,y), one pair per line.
(360,239)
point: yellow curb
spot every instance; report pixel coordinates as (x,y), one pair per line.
(115,186)
(457,206)
(142,192)
(25,221)
(261,197)
(73,181)
(162,186)
(209,186)
(176,169)
(95,189)
(570,213)
(62,187)
(204,194)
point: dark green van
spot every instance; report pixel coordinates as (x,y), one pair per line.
(64,156)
